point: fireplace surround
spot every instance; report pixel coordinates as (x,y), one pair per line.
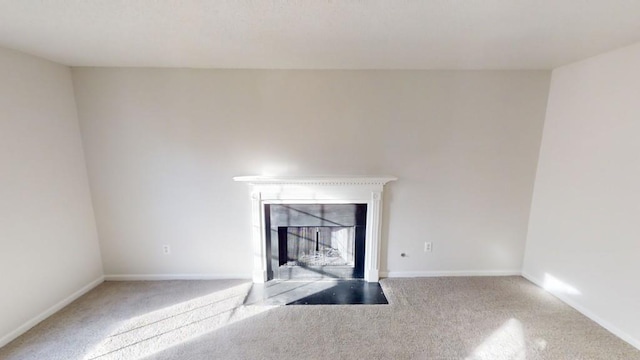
(315,241)
(267,190)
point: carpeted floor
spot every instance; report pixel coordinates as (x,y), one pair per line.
(428,318)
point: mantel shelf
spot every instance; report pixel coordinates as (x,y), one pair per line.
(316,180)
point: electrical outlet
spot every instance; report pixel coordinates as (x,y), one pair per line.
(166,249)
(428,246)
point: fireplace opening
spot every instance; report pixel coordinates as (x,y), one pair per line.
(317,245)
(315,240)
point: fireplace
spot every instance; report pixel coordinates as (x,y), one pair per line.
(311,241)
(314,210)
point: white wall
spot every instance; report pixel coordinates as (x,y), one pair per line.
(584,232)
(163,145)
(48,242)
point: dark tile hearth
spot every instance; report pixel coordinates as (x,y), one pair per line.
(316,292)
(347,292)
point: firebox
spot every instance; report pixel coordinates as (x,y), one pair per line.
(315,240)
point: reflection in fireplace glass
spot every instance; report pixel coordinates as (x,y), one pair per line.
(319,246)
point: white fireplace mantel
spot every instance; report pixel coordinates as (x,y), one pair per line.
(317,190)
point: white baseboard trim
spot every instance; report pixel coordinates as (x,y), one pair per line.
(408,274)
(50,311)
(586,312)
(158,277)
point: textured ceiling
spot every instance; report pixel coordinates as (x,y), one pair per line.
(319,34)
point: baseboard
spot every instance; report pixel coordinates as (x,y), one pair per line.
(50,311)
(158,277)
(586,312)
(400,274)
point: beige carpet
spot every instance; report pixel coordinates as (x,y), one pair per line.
(429,318)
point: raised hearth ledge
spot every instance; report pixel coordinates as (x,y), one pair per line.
(317,190)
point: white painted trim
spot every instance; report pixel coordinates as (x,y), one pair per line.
(50,311)
(409,274)
(586,312)
(159,277)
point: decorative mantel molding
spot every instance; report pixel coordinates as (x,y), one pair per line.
(317,190)
(316,180)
